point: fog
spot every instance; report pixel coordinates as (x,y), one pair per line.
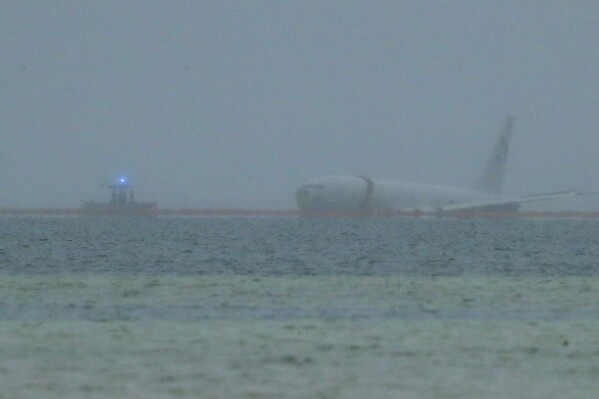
(236,104)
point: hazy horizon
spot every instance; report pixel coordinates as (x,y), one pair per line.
(235,104)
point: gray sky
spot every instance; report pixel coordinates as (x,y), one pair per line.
(235,104)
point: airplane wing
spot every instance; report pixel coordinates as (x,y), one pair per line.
(506,202)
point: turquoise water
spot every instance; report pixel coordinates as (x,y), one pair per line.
(298,308)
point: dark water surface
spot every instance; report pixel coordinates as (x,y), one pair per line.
(299,247)
(298,307)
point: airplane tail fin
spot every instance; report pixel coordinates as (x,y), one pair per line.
(492,178)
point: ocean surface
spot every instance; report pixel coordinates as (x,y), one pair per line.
(267,307)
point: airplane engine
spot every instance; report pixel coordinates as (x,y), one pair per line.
(365,205)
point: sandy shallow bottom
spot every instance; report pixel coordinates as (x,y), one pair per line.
(310,337)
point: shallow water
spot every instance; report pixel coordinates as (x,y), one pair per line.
(298,308)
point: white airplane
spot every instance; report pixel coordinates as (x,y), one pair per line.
(362,194)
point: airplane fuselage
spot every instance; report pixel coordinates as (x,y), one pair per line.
(362,194)
(349,193)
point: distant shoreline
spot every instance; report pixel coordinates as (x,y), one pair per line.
(296,213)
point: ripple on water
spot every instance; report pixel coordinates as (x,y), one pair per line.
(284,307)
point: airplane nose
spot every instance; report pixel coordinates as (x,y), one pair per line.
(302,196)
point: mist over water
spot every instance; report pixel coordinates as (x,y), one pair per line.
(298,307)
(236,104)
